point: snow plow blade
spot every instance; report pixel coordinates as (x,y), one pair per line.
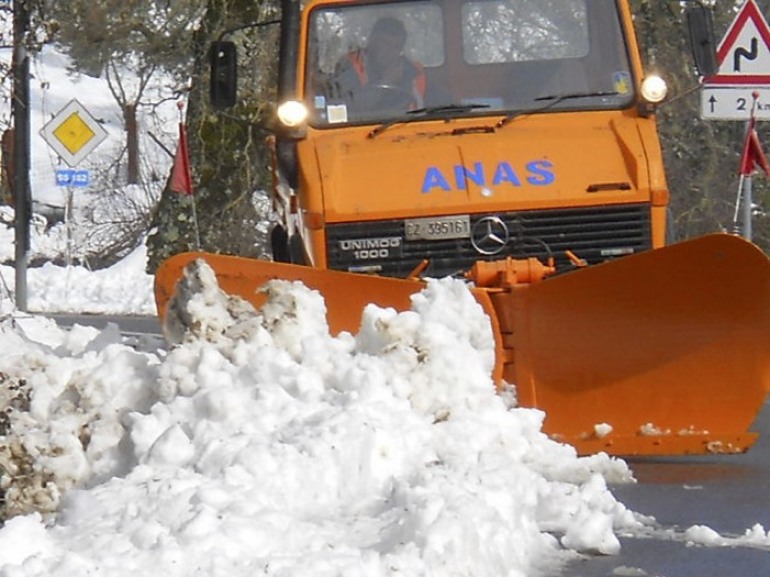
(670,348)
(661,353)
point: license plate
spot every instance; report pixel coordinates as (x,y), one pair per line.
(438,228)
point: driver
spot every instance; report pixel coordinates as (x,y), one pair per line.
(379,76)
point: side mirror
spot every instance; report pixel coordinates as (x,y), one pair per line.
(223,88)
(700,21)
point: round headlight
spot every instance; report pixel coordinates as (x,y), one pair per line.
(292,113)
(654,89)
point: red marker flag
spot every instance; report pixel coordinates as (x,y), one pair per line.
(753,155)
(181,180)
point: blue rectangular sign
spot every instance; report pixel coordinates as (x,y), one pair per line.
(72,177)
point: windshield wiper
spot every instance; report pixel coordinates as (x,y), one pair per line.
(427,111)
(553,100)
(451,108)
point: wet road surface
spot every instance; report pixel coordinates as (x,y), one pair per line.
(726,493)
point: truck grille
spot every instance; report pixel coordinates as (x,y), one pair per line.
(595,234)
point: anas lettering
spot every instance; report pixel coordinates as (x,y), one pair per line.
(538,173)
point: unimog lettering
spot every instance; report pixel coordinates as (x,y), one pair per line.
(372,248)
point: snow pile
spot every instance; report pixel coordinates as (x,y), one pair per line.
(260,444)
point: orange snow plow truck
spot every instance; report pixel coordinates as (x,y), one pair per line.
(512,143)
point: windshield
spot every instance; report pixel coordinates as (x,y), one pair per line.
(404,60)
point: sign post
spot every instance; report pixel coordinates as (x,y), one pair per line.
(21,147)
(73,133)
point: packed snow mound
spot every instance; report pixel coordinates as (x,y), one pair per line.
(261,444)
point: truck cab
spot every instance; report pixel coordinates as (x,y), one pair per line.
(515,129)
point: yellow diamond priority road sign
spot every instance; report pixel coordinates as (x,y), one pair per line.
(73,133)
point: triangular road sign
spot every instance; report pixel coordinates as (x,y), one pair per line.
(744,53)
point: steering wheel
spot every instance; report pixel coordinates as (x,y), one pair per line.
(385,97)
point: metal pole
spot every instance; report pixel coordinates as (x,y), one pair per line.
(737,211)
(21,147)
(747,202)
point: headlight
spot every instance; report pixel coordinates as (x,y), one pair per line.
(292,113)
(654,89)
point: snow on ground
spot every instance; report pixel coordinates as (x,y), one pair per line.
(124,288)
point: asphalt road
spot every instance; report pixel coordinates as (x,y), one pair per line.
(143,332)
(148,325)
(727,493)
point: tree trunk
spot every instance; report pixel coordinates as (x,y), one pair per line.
(132,143)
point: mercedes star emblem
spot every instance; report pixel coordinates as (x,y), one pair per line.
(489,235)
